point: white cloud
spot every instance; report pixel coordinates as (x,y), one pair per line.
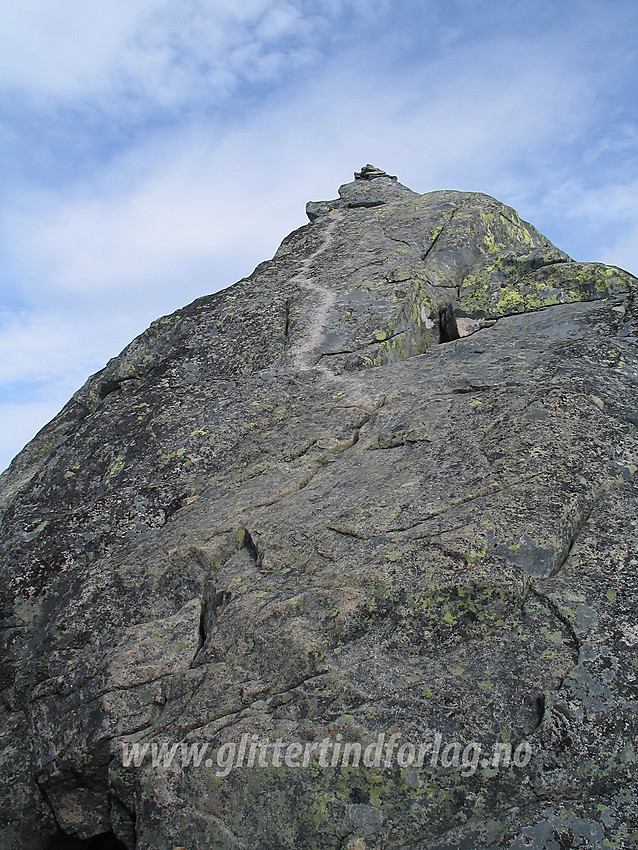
(278,22)
(168,52)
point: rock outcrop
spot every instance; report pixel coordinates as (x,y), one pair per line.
(383,486)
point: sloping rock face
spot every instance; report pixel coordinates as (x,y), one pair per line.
(385,486)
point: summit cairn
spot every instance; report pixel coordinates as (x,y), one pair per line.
(370,172)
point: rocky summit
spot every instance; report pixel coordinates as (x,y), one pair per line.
(343,556)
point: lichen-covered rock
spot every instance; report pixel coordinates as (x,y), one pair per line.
(383,486)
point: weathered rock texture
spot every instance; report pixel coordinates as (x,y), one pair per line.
(384,484)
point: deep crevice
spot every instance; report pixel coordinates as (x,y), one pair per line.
(62,841)
(212,602)
(203,632)
(252,549)
(221,599)
(107,387)
(448,330)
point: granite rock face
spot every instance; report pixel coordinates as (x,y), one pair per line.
(386,485)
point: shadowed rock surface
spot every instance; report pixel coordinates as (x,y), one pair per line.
(386,484)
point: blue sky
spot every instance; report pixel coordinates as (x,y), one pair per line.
(157,150)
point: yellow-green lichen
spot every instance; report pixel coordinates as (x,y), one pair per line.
(117,465)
